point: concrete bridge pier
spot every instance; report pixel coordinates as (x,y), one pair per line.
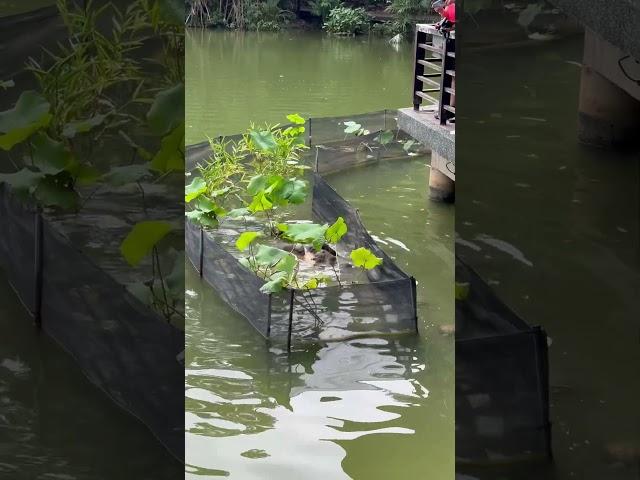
(609,105)
(441,187)
(440,139)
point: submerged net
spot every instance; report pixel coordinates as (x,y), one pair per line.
(502,385)
(380,301)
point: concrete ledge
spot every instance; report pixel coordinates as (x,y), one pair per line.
(425,128)
(618,22)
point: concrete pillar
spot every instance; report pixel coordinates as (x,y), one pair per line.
(441,187)
(608,113)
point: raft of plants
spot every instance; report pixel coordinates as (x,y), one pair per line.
(282,247)
(91,168)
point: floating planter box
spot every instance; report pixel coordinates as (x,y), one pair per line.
(379,301)
(382,304)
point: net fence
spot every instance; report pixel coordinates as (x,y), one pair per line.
(502,385)
(379,301)
(122,346)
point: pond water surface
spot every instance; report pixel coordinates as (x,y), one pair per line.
(373,408)
(54,424)
(554,227)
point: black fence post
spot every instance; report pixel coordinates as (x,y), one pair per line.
(201,259)
(293,293)
(269,315)
(414,298)
(542,361)
(418,68)
(38,265)
(445,109)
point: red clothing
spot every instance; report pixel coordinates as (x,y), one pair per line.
(450,12)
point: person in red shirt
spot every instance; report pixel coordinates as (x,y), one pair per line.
(447,10)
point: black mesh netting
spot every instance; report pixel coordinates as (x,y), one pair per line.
(122,346)
(502,397)
(376,302)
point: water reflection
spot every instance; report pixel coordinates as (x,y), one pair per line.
(289,404)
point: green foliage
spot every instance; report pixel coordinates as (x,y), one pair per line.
(30,114)
(225,167)
(354,128)
(264,140)
(169,12)
(49,156)
(164,291)
(364,258)
(260,203)
(274,150)
(167,110)
(336,231)
(278,190)
(205,212)
(82,79)
(387,29)
(143,237)
(170,157)
(408,145)
(347,21)
(95,84)
(196,188)
(57,191)
(126,174)
(322,8)
(246,239)
(23,181)
(305,233)
(266,15)
(274,265)
(404,11)
(259,172)
(385,137)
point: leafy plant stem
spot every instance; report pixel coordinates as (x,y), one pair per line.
(144,202)
(156,255)
(333,267)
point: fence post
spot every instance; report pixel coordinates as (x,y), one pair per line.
(38,265)
(201,259)
(414,298)
(269,315)
(293,293)
(418,68)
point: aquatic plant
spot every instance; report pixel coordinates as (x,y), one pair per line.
(164,291)
(274,150)
(347,21)
(258,177)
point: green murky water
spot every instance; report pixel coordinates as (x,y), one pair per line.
(375,408)
(557,236)
(55,424)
